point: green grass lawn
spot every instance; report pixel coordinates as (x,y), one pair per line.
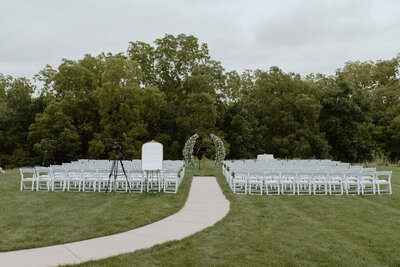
(287,230)
(35,219)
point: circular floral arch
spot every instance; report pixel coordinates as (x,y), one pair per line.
(189,146)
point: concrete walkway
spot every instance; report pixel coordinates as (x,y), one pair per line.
(205,206)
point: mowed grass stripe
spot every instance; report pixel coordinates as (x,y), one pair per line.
(287,230)
(35,219)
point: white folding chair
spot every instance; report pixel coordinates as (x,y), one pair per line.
(89,179)
(367,180)
(181,174)
(271,181)
(171,181)
(239,183)
(74,179)
(153,180)
(335,183)
(304,183)
(384,182)
(44,179)
(255,183)
(320,183)
(137,180)
(351,182)
(288,182)
(103,178)
(28,175)
(120,182)
(59,179)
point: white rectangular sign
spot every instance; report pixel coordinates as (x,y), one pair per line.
(152,156)
(265,156)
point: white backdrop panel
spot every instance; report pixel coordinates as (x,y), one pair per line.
(152,156)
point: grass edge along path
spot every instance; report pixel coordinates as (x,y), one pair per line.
(287,230)
(36,219)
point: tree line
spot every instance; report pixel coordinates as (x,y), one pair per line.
(172,89)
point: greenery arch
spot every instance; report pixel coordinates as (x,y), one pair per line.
(188,150)
(220,152)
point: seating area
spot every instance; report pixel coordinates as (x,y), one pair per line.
(304,177)
(94,175)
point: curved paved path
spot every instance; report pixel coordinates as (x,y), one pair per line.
(205,206)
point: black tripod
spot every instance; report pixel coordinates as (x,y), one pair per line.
(48,152)
(114,168)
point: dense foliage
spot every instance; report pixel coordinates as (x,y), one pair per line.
(169,90)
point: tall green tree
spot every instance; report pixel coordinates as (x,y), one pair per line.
(120,107)
(288,113)
(347,127)
(191,81)
(172,88)
(17,112)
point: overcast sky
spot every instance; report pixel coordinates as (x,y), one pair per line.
(298,36)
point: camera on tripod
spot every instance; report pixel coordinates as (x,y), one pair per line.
(117,147)
(114,168)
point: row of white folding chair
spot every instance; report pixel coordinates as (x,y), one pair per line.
(287,182)
(168,180)
(39,177)
(285,168)
(350,182)
(276,166)
(57,177)
(283,163)
(278,163)
(136,180)
(79,179)
(292,168)
(297,169)
(136,164)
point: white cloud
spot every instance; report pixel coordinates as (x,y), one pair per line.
(299,36)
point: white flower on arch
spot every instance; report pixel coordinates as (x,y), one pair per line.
(188,150)
(219,149)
